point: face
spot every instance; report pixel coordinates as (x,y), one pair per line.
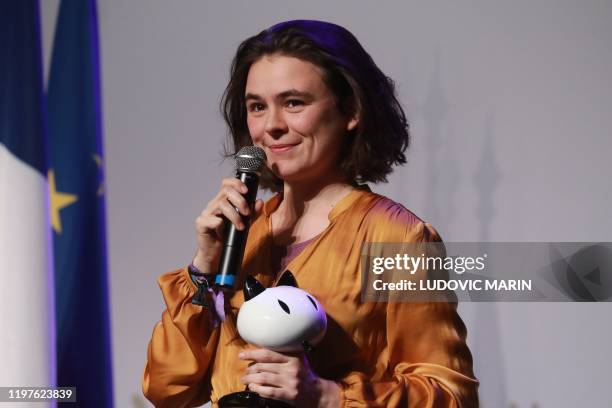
(292,115)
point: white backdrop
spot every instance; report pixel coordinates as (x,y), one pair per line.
(509,104)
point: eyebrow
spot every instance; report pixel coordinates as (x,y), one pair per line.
(282,95)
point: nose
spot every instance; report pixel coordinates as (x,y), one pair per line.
(275,123)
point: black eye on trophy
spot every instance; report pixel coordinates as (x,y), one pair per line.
(284,306)
(313,302)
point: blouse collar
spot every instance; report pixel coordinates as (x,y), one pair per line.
(345,203)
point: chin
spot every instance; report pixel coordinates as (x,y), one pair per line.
(287,173)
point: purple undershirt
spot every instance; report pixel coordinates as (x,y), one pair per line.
(283,255)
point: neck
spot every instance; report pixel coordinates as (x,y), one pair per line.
(313,196)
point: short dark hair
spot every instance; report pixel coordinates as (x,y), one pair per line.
(381,136)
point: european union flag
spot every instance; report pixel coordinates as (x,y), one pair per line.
(78,210)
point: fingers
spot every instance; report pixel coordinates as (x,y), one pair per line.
(263,356)
(206,223)
(234,183)
(273,392)
(270,379)
(229,202)
(264,367)
(281,377)
(237,200)
(231,214)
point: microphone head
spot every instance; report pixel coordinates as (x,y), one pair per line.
(250,159)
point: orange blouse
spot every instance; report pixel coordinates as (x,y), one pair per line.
(394,354)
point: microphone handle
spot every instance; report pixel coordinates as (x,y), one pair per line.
(230,262)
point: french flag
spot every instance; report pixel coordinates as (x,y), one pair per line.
(27,312)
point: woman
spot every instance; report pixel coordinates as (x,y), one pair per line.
(329,121)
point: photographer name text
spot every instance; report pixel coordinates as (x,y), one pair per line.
(454,284)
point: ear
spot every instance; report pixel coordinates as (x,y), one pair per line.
(251,288)
(353,122)
(287,279)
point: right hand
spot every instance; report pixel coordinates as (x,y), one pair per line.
(209,224)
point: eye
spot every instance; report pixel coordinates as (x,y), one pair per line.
(284,306)
(313,302)
(256,107)
(294,103)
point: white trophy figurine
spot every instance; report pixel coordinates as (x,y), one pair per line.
(283,318)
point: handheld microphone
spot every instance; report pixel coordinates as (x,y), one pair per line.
(249,162)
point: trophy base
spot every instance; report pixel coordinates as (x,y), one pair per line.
(249,399)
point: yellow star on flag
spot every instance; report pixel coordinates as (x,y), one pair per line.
(58,201)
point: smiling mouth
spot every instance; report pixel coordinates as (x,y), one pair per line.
(281,148)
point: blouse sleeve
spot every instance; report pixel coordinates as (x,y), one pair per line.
(182,347)
(429,362)
(426,361)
